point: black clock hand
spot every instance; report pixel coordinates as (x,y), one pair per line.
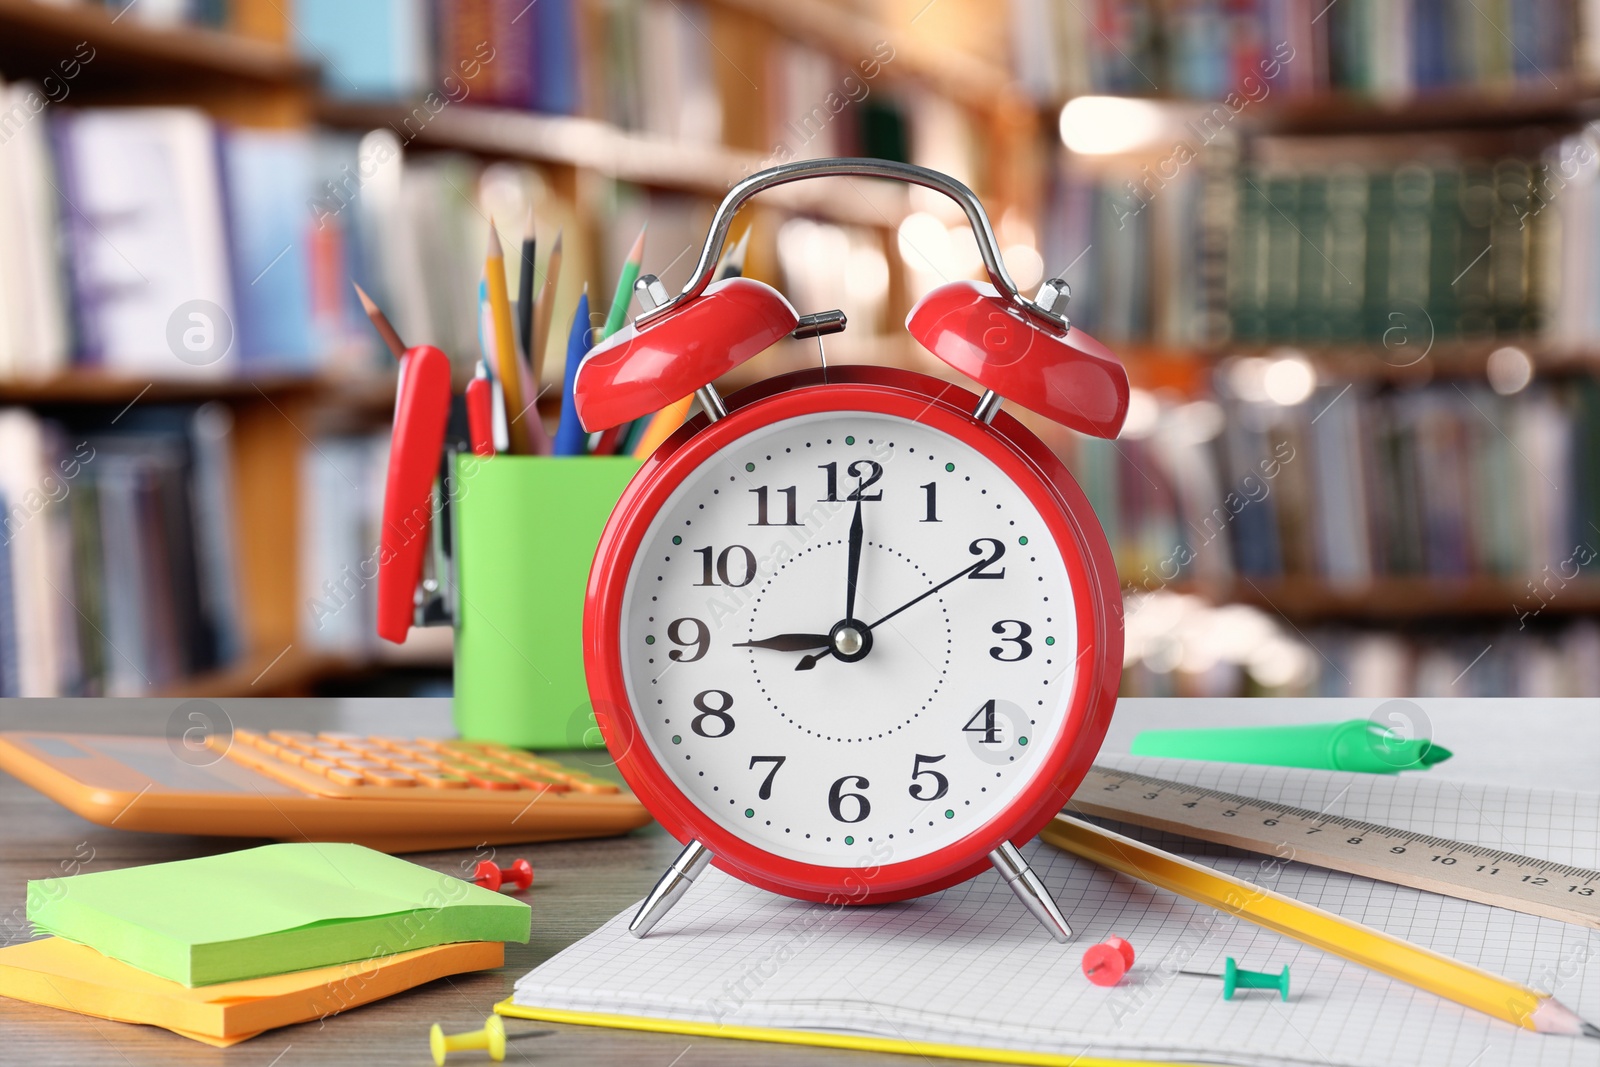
(808,662)
(787,642)
(929,592)
(855,563)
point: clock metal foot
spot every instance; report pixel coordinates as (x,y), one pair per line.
(1026,885)
(672,885)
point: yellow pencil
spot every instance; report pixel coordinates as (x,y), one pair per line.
(505,345)
(1338,936)
(661,426)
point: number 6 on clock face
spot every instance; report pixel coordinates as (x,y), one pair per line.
(852,639)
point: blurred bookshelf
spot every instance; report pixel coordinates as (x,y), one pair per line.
(1239,279)
(1346,250)
(301,415)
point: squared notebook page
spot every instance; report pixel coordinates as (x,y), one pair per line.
(969,966)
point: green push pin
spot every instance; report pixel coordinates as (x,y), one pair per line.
(1236,977)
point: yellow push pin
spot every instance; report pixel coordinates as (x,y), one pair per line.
(493,1037)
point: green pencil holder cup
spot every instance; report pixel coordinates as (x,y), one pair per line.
(525,531)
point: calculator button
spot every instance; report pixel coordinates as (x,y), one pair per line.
(317,766)
(339,738)
(491,780)
(437,780)
(409,766)
(289,737)
(356,763)
(536,780)
(391,779)
(340,776)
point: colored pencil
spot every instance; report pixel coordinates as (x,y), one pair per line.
(570,435)
(732,265)
(525,290)
(624,294)
(611,439)
(544,309)
(661,426)
(380,322)
(505,350)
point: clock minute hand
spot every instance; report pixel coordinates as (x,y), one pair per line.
(962,573)
(787,642)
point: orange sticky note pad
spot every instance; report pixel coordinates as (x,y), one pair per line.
(64,974)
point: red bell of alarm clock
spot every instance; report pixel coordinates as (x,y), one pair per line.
(853,634)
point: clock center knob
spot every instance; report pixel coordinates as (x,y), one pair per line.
(851,640)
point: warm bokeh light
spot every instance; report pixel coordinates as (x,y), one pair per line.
(1106,125)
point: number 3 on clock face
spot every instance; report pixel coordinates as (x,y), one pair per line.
(859,645)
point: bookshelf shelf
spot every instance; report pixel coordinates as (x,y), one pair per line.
(601,148)
(1475,108)
(1388,600)
(1152,365)
(34,36)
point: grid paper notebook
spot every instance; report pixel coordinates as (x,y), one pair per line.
(969,966)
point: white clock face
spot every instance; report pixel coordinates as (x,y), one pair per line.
(833,733)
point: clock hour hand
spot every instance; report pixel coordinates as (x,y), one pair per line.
(787,642)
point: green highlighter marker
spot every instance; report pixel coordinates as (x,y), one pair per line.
(1355,745)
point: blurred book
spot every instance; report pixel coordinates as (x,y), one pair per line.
(1378,49)
(341,510)
(121,574)
(143,210)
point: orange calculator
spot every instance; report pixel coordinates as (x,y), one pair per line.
(393,794)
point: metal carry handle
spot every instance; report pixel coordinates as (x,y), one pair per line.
(801,170)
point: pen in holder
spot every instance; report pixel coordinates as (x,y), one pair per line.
(518,542)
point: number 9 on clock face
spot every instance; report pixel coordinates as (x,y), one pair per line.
(854,640)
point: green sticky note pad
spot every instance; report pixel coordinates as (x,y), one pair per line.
(270,910)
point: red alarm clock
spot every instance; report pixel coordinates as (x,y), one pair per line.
(852,634)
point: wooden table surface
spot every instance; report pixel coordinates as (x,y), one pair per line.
(579,884)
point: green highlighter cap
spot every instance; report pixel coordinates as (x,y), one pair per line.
(1354,745)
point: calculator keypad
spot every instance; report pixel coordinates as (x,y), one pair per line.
(338,764)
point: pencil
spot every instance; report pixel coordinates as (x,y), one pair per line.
(544,309)
(624,293)
(612,438)
(525,291)
(1338,936)
(666,420)
(570,436)
(380,322)
(505,350)
(732,265)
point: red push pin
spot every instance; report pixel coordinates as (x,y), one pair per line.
(519,874)
(1107,962)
